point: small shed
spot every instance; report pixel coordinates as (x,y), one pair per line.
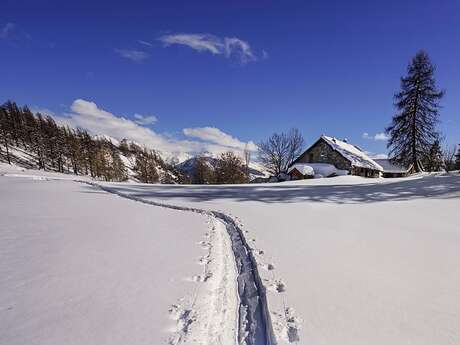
(391,170)
(300,171)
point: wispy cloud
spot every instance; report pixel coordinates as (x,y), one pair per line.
(198,42)
(88,115)
(264,55)
(145,43)
(43,111)
(6,30)
(145,120)
(215,135)
(133,55)
(377,137)
(226,46)
(16,35)
(377,155)
(236,47)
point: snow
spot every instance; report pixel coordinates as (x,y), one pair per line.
(82,266)
(304,169)
(347,260)
(354,154)
(390,167)
(318,169)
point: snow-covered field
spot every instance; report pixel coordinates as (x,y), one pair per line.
(359,261)
(81,266)
(345,261)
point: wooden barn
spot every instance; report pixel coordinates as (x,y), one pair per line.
(342,155)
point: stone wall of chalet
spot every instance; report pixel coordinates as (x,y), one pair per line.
(321,152)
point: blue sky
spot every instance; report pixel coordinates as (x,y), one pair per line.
(228,72)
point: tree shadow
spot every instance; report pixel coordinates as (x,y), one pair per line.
(439,186)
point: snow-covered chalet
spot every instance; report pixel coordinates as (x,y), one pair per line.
(339,153)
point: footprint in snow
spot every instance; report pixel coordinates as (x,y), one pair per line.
(202,279)
(293,325)
(269,267)
(204,260)
(204,244)
(278,286)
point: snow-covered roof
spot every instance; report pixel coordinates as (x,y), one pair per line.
(391,167)
(315,169)
(304,169)
(354,154)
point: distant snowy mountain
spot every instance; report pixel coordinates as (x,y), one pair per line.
(188,167)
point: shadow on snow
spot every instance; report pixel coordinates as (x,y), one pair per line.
(439,186)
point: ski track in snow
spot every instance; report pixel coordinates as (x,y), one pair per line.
(216,302)
(248,311)
(252,322)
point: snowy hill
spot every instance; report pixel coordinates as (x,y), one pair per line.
(22,157)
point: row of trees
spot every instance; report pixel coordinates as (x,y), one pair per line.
(228,168)
(67,150)
(55,147)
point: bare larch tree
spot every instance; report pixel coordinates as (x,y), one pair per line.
(413,129)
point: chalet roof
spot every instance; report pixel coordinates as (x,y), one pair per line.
(354,154)
(390,167)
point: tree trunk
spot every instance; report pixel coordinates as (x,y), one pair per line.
(7,152)
(415,161)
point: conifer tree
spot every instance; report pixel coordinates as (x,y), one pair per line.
(146,167)
(203,172)
(457,160)
(413,129)
(434,159)
(4,132)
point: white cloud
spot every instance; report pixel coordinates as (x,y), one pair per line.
(88,115)
(145,120)
(215,135)
(145,43)
(133,55)
(381,136)
(227,46)
(6,30)
(377,137)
